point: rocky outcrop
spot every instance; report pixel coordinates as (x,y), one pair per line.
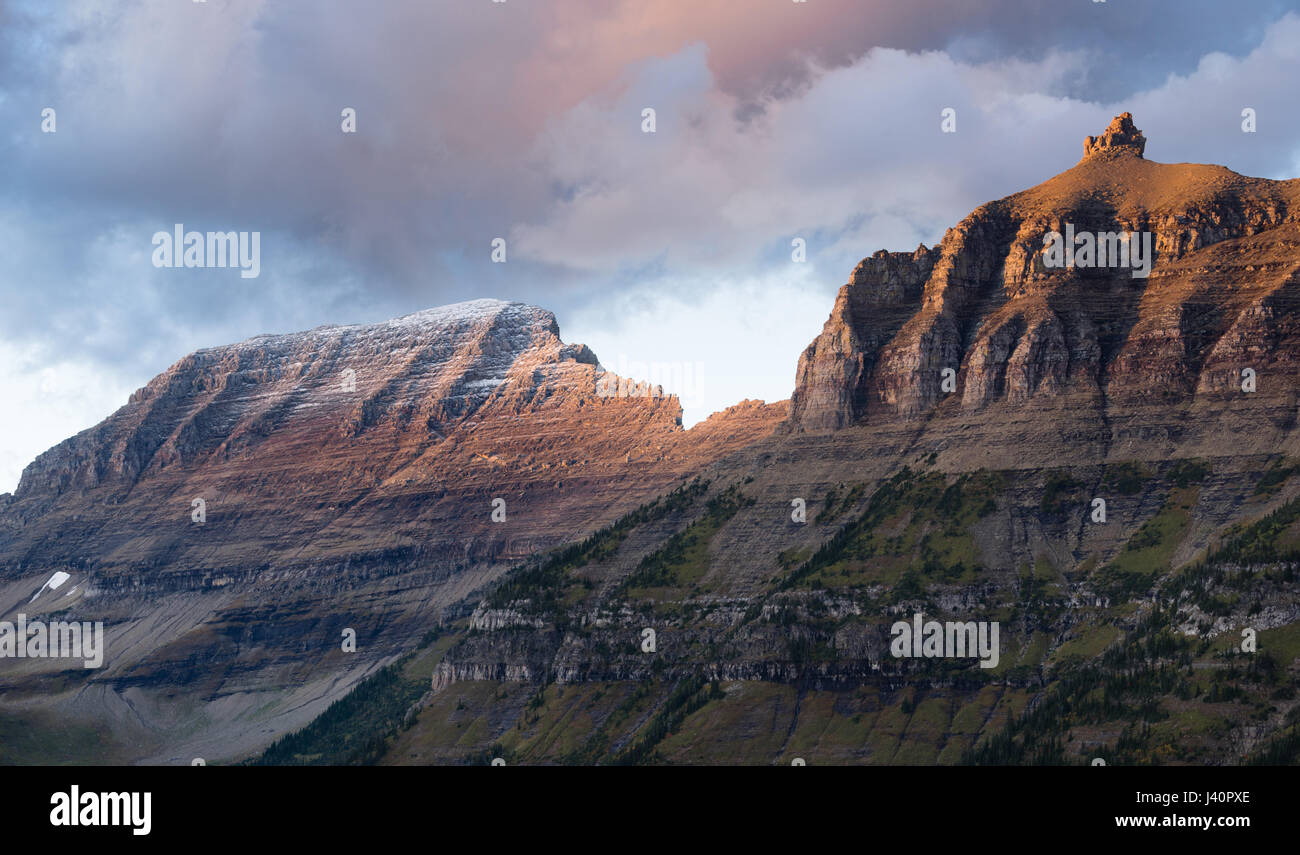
(833,387)
(985,321)
(1120,135)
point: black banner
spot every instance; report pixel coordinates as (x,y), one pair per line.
(225,805)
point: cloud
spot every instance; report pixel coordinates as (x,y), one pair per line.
(855,156)
(48,401)
(858,161)
(740,335)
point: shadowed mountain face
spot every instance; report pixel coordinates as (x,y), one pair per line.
(255,500)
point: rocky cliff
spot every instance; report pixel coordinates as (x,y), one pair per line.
(1014,332)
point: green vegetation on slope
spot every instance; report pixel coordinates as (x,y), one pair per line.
(1071,686)
(357,728)
(544,586)
(914,527)
(1150,551)
(1160,695)
(684,559)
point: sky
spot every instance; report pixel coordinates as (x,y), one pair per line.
(669,253)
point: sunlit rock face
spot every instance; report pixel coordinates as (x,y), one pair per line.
(255,500)
(981,325)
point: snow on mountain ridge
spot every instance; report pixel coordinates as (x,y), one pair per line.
(453,315)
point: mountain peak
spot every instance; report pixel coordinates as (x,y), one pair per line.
(984,311)
(1120,137)
(470,310)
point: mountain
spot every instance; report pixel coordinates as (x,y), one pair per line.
(1084,347)
(1092,465)
(1099,462)
(347,477)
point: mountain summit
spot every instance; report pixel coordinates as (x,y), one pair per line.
(978,331)
(1121,137)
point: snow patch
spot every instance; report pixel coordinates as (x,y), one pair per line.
(56,581)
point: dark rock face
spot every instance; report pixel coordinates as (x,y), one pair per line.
(833,388)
